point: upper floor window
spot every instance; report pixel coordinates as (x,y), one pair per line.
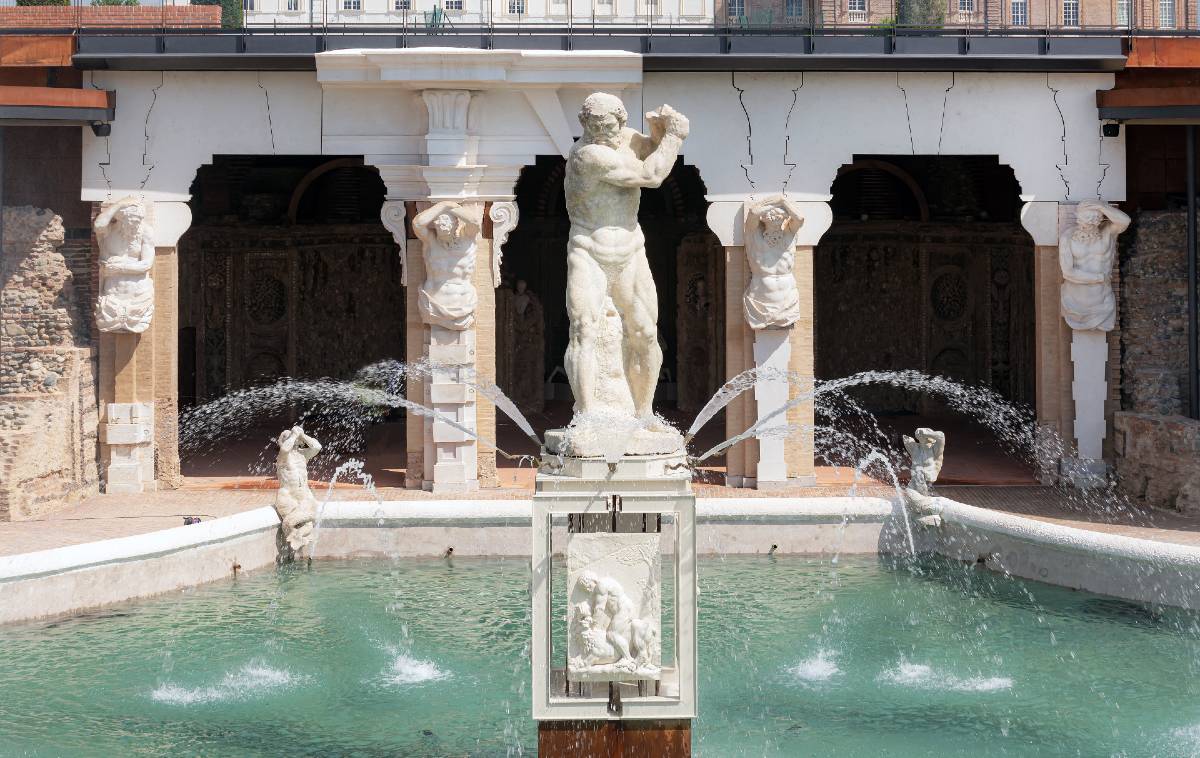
(858,6)
(736,8)
(293,5)
(966,6)
(793,8)
(247,5)
(1070,13)
(1123,7)
(1166,14)
(1020,12)
(352,5)
(516,7)
(453,5)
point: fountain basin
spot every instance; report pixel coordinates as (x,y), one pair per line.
(798,656)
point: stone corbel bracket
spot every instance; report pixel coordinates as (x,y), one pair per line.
(393,214)
(504,216)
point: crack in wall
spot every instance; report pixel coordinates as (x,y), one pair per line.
(270,122)
(749,128)
(912,144)
(945,102)
(103,165)
(1100,161)
(162,80)
(1066,159)
(787,137)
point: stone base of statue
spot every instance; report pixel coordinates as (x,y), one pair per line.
(611,438)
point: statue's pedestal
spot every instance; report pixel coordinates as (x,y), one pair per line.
(1089,354)
(629,525)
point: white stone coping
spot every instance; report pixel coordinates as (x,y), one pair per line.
(750,510)
(1070,539)
(137,547)
(411,513)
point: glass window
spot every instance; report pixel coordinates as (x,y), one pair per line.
(1166,14)
(858,6)
(293,5)
(966,6)
(737,8)
(352,5)
(1123,12)
(516,7)
(454,5)
(1070,13)
(793,8)
(403,5)
(1020,12)
(247,5)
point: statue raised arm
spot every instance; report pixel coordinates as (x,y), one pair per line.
(1086,252)
(448,297)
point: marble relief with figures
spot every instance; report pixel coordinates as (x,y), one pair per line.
(614,608)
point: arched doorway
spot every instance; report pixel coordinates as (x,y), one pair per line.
(926,267)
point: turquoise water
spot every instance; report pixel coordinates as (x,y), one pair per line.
(424,658)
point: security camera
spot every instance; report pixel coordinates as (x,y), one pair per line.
(1112,129)
(101,129)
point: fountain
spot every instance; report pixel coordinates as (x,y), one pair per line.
(617,478)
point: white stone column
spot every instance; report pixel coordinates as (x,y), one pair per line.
(452,459)
(772,350)
(1087,251)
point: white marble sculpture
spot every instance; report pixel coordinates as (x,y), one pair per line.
(294,502)
(606,259)
(772,300)
(614,608)
(125,234)
(925,449)
(448,297)
(1085,253)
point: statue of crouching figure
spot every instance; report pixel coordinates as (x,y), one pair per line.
(294,502)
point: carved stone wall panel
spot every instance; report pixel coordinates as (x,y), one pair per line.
(700,319)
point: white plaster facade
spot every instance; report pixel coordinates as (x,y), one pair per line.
(754,134)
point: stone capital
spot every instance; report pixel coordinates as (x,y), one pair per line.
(1040,219)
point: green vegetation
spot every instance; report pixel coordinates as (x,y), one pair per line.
(115,2)
(43,2)
(231,11)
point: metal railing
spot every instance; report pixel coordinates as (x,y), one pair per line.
(913,18)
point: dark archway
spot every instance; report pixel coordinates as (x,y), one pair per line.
(927,267)
(286,271)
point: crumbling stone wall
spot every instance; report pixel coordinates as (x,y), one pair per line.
(1157,449)
(1158,459)
(48,405)
(1154,314)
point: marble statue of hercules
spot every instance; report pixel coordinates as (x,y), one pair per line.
(606,255)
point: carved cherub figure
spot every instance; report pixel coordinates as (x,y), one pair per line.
(294,502)
(126,240)
(926,451)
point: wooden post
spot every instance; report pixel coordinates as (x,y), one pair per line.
(615,739)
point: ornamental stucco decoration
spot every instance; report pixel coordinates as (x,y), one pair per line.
(772,300)
(1085,254)
(294,501)
(504,218)
(448,297)
(125,233)
(393,214)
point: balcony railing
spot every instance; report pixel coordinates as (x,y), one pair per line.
(898,18)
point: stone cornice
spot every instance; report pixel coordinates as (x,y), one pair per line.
(459,68)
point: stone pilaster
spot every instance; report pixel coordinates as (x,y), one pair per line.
(485,361)
(454,453)
(735,334)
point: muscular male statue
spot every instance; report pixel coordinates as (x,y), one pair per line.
(1085,254)
(606,255)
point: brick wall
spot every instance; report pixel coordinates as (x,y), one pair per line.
(67,17)
(48,415)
